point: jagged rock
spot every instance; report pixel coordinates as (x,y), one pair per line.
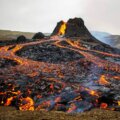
(38,35)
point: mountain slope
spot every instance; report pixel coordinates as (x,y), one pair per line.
(113,40)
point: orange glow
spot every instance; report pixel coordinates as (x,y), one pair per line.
(29,104)
(72,108)
(9,100)
(93,93)
(103,81)
(119,103)
(18,47)
(74,44)
(2,102)
(62,29)
(103,105)
(116,77)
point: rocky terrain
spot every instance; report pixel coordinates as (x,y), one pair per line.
(69,71)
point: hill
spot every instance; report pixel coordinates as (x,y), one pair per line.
(10,35)
(113,40)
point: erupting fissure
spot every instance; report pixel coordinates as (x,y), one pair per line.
(62,29)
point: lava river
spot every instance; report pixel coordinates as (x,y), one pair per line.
(59,74)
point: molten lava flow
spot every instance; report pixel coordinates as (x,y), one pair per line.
(62,29)
(102,80)
(44,84)
(92,92)
(18,47)
(9,100)
(103,105)
(27,104)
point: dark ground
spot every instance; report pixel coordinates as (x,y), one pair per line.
(9,113)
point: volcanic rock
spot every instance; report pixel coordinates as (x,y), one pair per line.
(48,53)
(38,35)
(73,28)
(76,28)
(21,38)
(7,63)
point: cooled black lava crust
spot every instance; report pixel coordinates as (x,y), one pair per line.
(49,53)
(7,63)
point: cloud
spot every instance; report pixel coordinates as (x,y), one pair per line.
(42,15)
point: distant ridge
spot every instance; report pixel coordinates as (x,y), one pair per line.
(113,40)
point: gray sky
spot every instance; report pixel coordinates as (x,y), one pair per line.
(42,15)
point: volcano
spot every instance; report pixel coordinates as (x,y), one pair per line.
(73,28)
(69,71)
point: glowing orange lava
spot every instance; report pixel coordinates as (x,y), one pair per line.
(32,68)
(62,29)
(29,104)
(103,80)
(103,105)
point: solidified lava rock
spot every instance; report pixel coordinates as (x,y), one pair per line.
(73,28)
(21,38)
(7,63)
(76,28)
(49,53)
(38,35)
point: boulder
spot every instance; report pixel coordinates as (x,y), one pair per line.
(21,38)
(38,35)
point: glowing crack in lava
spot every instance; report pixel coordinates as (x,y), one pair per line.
(59,73)
(62,29)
